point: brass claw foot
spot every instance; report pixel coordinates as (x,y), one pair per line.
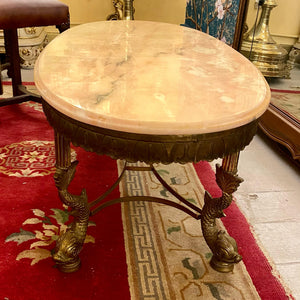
(223,246)
(70,243)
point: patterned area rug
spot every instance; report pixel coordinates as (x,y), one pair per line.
(32,216)
(164,248)
(289,101)
(166,253)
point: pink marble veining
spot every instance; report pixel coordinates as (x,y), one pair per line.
(151,78)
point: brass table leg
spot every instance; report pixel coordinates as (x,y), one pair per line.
(69,243)
(223,246)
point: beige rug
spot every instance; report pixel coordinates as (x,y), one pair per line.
(167,256)
(290,102)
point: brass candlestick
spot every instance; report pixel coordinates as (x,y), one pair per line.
(259,46)
(124,10)
(128,10)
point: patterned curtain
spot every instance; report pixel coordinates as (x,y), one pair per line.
(218,18)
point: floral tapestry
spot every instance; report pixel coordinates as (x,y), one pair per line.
(215,17)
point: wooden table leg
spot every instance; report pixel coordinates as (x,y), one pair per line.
(69,243)
(12,51)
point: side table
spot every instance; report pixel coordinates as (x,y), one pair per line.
(150,92)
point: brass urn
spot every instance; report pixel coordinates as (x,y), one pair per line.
(259,46)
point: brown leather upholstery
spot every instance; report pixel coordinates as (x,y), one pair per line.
(16,14)
(30,13)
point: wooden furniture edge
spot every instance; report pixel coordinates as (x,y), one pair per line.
(282,128)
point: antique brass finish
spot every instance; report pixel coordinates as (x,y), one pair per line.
(62,151)
(230,162)
(128,10)
(259,46)
(124,10)
(149,149)
(223,246)
(69,243)
(191,209)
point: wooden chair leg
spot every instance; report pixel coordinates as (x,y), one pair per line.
(20,93)
(64,26)
(13,57)
(12,51)
(1,87)
(3,66)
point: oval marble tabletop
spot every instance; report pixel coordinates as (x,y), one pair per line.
(149,78)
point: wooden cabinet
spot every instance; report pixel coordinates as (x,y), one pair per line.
(283,128)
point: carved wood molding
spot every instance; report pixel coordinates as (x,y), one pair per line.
(282,128)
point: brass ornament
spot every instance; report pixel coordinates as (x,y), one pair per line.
(29,54)
(128,10)
(184,205)
(70,243)
(30,30)
(118,14)
(223,246)
(259,46)
(124,10)
(149,149)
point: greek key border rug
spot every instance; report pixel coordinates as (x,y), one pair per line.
(167,256)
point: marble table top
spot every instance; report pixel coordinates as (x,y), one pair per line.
(150,78)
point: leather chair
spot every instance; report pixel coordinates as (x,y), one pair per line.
(16,14)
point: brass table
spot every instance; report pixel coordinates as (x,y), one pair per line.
(150,92)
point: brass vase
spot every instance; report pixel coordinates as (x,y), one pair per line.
(259,46)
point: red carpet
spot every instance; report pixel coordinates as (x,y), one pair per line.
(104,272)
(258,267)
(32,215)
